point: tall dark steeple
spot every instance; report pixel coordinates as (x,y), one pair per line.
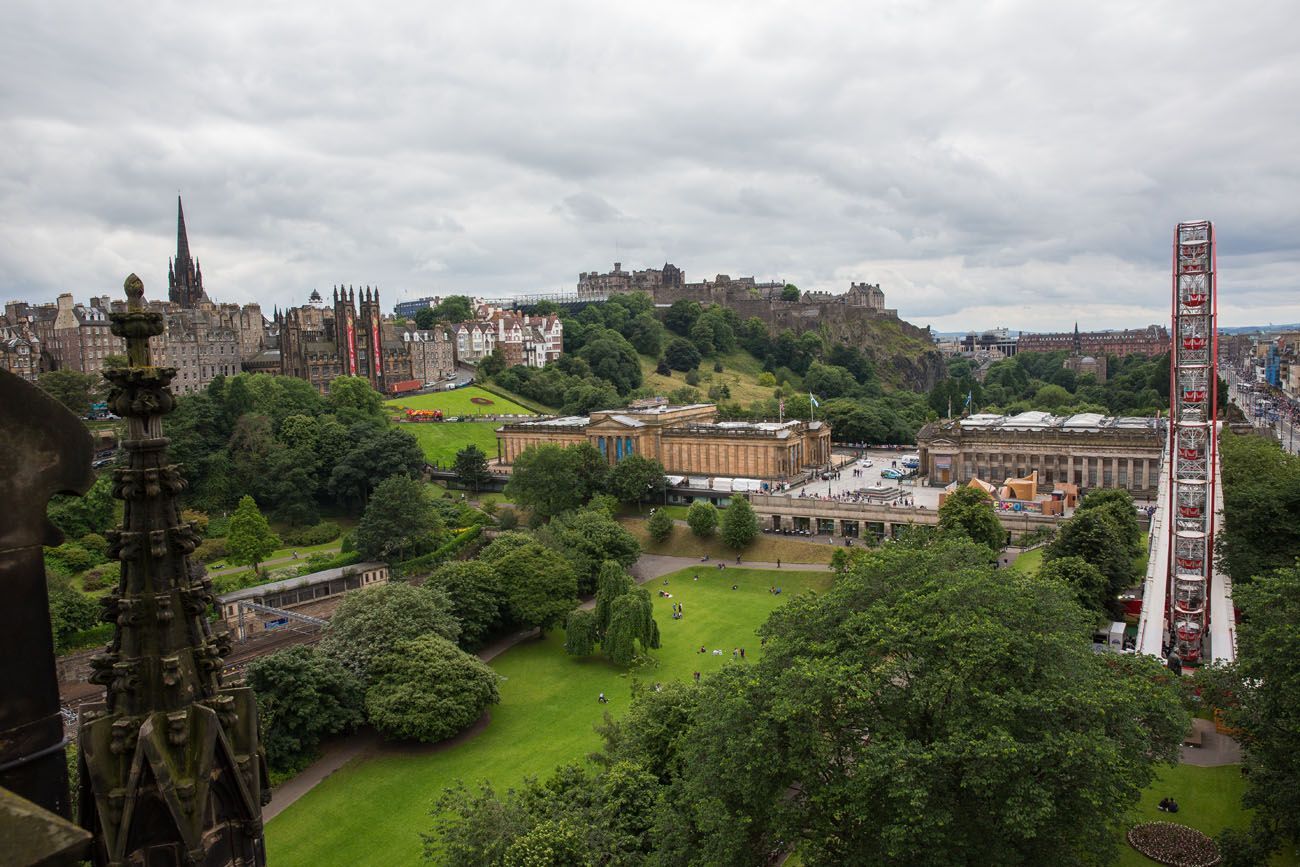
(184,279)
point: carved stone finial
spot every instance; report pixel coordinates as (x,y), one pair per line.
(134,287)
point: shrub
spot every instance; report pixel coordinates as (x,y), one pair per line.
(692,378)
(210,550)
(198,519)
(702,518)
(71,556)
(98,578)
(717,367)
(95,544)
(317,534)
(508,519)
(660,525)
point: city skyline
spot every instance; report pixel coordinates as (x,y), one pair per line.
(1014,166)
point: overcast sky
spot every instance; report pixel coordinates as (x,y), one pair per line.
(994,163)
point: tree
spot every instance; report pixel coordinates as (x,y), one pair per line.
(1261,497)
(1260,696)
(250,539)
(636,478)
(1118,504)
(682,315)
(370,622)
(1002,717)
(702,518)
(478,598)
(540,585)
(1093,535)
(353,399)
(454,308)
(428,689)
(376,454)
(580,632)
(631,628)
(587,539)
(425,318)
(72,388)
(660,525)
(550,479)
(398,519)
(471,467)
(302,695)
(1090,587)
(739,524)
(681,354)
(790,292)
(491,364)
(614,360)
(969,511)
(93,513)
(71,611)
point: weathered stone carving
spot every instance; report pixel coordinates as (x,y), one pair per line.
(171,766)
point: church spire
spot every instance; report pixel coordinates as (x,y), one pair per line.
(182,239)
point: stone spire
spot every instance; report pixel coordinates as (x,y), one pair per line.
(182,238)
(184,277)
(172,772)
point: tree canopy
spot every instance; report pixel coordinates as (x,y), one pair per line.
(636,478)
(72,388)
(702,518)
(302,695)
(477,597)
(587,539)
(541,587)
(399,521)
(250,539)
(550,479)
(969,512)
(428,689)
(471,467)
(739,524)
(369,623)
(1261,498)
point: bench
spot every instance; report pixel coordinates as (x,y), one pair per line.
(1193,738)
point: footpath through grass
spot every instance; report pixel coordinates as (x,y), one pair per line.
(765,549)
(461,401)
(371,812)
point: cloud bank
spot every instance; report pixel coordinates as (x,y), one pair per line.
(1004,163)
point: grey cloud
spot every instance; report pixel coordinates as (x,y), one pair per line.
(1019,164)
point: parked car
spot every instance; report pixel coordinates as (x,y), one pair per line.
(888,473)
(865,463)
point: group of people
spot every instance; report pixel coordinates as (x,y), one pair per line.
(1167,805)
(677,611)
(774,590)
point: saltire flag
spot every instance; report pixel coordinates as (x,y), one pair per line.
(970,395)
(813,399)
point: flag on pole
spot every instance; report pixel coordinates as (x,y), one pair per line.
(813,399)
(970,395)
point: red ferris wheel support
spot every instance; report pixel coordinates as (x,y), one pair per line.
(1193,411)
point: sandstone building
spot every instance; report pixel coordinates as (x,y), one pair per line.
(1086,449)
(687,440)
(1151,341)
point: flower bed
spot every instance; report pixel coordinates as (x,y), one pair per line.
(1174,845)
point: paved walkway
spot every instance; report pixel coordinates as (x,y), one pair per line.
(301,558)
(1215,749)
(339,751)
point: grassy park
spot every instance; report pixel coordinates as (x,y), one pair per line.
(460,402)
(373,810)
(441,440)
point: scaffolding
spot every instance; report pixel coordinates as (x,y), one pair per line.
(1193,404)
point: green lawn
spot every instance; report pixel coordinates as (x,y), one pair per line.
(441,440)
(373,810)
(1029,561)
(458,403)
(1209,799)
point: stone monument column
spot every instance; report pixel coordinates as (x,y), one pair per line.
(171,768)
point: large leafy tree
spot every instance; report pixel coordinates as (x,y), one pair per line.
(477,598)
(1261,497)
(471,467)
(250,539)
(961,740)
(377,454)
(302,695)
(681,354)
(969,512)
(588,539)
(739,524)
(1261,696)
(93,513)
(1096,537)
(72,388)
(613,359)
(1090,587)
(540,585)
(551,479)
(399,520)
(370,622)
(660,525)
(631,628)
(354,399)
(636,478)
(428,689)
(702,518)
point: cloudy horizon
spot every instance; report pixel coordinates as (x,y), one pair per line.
(1013,164)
